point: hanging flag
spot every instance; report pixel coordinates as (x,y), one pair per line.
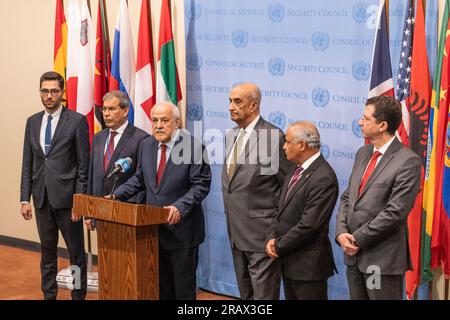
(60,46)
(102,65)
(433,192)
(381,83)
(80,61)
(168,84)
(145,72)
(414,90)
(123,67)
(440,249)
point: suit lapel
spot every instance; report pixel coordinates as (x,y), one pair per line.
(36,133)
(303,178)
(252,141)
(59,128)
(127,133)
(385,159)
(169,164)
(359,170)
(101,149)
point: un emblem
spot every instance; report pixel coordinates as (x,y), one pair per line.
(325,151)
(320,97)
(193,62)
(192,10)
(361,70)
(239,38)
(276,66)
(278,119)
(276,12)
(194,112)
(320,41)
(359,12)
(356,128)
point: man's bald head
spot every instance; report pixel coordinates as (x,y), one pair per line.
(245,99)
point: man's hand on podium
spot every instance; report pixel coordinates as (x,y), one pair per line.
(174,215)
(89,224)
(75,217)
(25,210)
(110,197)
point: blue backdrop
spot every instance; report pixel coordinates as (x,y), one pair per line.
(312,61)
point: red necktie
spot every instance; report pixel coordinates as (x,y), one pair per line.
(162,164)
(109,150)
(369,170)
(294,180)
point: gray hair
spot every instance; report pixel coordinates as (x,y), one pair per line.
(307,131)
(124,101)
(175,111)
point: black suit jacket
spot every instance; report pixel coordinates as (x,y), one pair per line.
(183,185)
(301,228)
(128,146)
(64,171)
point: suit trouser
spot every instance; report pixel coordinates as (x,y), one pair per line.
(257,274)
(390,286)
(49,220)
(305,290)
(177,273)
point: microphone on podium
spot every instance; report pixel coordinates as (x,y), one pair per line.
(121,165)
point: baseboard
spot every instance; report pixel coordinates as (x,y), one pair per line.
(35,247)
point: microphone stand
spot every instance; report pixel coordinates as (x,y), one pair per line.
(115,183)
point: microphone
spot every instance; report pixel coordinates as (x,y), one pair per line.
(122,165)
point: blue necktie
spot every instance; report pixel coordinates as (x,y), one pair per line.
(48,134)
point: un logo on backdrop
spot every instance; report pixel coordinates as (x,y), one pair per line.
(194,112)
(359,12)
(193,62)
(277,66)
(356,128)
(320,97)
(325,151)
(278,119)
(361,70)
(239,38)
(276,12)
(320,41)
(192,10)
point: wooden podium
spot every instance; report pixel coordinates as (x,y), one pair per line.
(127,238)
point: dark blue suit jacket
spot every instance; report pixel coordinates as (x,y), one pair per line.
(64,171)
(183,185)
(128,146)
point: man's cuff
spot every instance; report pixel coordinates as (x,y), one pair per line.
(24,202)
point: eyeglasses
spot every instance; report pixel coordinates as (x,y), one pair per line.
(53,92)
(110,109)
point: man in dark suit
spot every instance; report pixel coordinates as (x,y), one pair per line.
(252,177)
(299,234)
(175,175)
(55,166)
(371,224)
(120,140)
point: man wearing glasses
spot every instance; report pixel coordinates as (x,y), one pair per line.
(120,139)
(55,166)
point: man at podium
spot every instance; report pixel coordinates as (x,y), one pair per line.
(175,175)
(120,139)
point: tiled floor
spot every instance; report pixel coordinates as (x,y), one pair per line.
(20,277)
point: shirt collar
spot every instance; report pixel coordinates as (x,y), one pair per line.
(121,129)
(54,114)
(308,162)
(172,141)
(251,125)
(383,149)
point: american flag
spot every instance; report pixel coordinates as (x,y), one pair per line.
(404,70)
